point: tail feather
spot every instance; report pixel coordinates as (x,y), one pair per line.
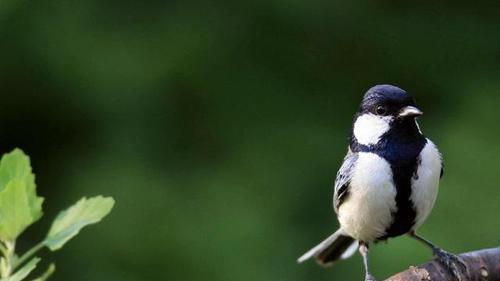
(336,246)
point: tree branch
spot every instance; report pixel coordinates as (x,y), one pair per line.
(482,265)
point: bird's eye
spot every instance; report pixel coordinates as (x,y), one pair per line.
(380,110)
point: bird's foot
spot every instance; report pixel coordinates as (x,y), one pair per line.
(455,264)
(370,277)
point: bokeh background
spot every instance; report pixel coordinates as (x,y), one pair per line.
(218,126)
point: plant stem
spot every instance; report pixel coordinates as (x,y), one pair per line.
(28,255)
(47,273)
(8,259)
(2,248)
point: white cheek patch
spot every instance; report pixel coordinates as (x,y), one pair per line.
(368,128)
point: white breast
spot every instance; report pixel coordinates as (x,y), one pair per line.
(367,210)
(425,184)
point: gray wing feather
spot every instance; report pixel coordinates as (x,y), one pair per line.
(343,179)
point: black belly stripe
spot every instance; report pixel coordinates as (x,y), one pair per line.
(404,217)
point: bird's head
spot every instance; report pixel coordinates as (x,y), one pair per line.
(384,107)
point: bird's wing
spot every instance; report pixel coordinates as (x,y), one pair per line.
(343,179)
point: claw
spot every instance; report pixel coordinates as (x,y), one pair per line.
(455,264)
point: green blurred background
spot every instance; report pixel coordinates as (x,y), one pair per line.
(218,126)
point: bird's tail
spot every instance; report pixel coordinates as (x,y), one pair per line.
(336,246)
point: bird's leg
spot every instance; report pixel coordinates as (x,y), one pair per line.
(363,250)
(454,263)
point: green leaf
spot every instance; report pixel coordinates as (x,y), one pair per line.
(69,222)
(24,271)
(19,204)
(15,214)
(14,165)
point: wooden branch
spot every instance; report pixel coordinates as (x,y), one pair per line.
(483,265)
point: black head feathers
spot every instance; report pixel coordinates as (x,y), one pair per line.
(390,97)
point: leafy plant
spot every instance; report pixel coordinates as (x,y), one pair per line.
(20,207)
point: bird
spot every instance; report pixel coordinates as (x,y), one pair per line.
(387,184)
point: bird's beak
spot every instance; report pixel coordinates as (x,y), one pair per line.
(410,111)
